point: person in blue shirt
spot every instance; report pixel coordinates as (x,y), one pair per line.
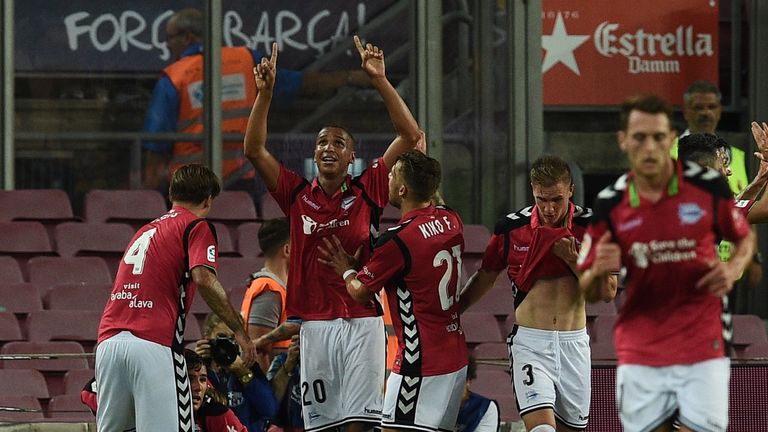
(477,413)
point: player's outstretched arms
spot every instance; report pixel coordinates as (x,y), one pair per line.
(408,133)
(255,143)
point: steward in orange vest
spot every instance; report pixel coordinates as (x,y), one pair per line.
(274,240)
(237,95)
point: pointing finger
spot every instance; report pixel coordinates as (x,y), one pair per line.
(359,45)
(273,58)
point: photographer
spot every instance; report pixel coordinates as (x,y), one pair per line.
(245,390)
(210,414)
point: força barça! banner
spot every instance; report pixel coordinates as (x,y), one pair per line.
(598,52)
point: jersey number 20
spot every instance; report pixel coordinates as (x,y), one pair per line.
(136,254)
(452,258)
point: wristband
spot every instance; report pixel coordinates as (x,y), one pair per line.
(349,272)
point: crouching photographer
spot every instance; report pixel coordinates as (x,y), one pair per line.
(245,390)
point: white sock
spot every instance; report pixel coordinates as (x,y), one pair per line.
(543,428)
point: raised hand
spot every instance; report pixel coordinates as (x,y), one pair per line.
(760,133)
(565,249)
(264,72)
(372,59)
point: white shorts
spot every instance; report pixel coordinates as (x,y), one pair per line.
(429,403)
(342,371)
(649,396)
(552,370)
(142,385)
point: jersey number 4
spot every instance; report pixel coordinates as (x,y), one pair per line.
(449,292)
(137,252)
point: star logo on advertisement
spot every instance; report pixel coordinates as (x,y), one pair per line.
(212,253)
(309,224)
(560,46)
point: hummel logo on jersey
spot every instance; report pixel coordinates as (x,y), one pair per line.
(690,213)
(347,202)
(310,203)
(310,225)
(630,224)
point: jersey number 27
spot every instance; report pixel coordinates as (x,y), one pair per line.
(449,292)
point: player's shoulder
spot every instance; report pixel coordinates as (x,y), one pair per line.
(582,216)
(392,232)
(514,220)
(707,179)
(611,195)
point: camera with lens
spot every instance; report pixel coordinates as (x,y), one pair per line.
(224,350)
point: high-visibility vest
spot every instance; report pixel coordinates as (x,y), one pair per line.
(390,329)
(263,281)
(238,92)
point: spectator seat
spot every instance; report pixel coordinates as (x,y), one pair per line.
(74,296)
(44,205)
(135,207)
(49,271)
(69,408)
(480,327)
(51,325)
(32,411)
(248,239)
(10,271)
(269,208)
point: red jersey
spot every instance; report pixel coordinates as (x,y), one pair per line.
(418,262)
(523,246)
(153,289)
(315,291)
(666,248)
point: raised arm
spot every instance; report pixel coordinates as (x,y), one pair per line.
(255,143)
(407,129)
(755,191)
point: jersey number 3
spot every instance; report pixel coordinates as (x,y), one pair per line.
(449,292)
(137,252)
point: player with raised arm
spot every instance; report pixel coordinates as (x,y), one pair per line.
(341,341)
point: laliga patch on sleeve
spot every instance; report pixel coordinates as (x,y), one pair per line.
(212,253)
